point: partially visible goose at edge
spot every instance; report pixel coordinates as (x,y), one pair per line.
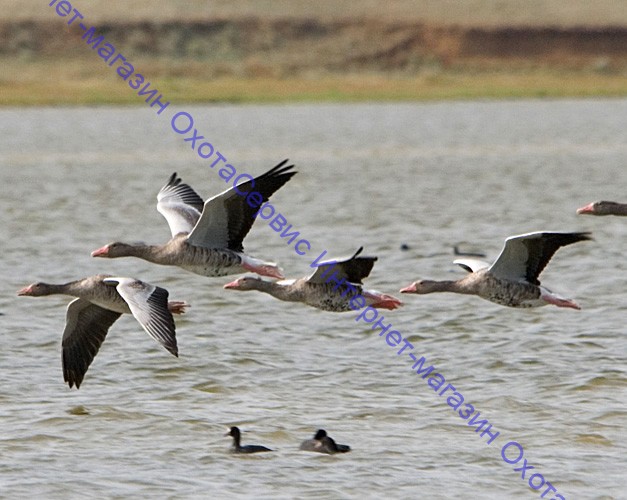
(323,443)
(321,289)
(513,278)
(207,238)
(237,447)
(603,208)
(102,299)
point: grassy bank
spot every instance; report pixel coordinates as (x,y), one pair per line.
(80,82)
(302,51)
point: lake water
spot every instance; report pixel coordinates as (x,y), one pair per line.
(147,425)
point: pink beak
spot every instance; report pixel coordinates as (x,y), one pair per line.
(101,252)
(232,284)
(25,291)
(588,209)
(409,289)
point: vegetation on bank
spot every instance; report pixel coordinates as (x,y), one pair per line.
(298,51)
(90,82)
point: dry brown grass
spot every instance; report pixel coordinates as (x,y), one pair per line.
(89,81)
(356,62)
(466,12)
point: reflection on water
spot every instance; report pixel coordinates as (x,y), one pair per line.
(428,176)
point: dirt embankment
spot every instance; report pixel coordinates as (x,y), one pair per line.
(281,47)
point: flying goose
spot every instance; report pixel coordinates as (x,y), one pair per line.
(512,280)
(207,237)
(320,289)
(100,301)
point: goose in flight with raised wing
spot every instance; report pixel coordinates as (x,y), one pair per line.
(207,237)
(100,301)
(512,280)
(331,287)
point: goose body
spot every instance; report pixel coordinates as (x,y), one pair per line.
(210,262)
(207,237)
(323,443)
(235,433)
(604,208)
(322,292)
(512,280)
(100,301)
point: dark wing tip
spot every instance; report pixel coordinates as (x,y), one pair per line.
(184,192)
(563,239)
(280,170)
(242,215)
(74,366)
(72,377)
(368,258)
(160,295)
(357,268)
(546,248)
(585,236)
(173,180)
(572,236)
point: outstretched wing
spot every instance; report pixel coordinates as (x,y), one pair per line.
(86,327)
(352,269)
(149,305)
(525,256)
(471,265)
(227,217)
(180,205)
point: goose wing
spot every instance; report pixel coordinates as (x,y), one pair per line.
(525,256)
(227,217)
(149,305)
(180,205)
(471,265)
(86,327)
(352,269)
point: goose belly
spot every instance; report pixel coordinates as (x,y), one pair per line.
(513,301)
(512,294)
(330,303)
(212,262)
(329,298)
(213,270)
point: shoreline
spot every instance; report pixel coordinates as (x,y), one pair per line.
(309,60)
(100,85)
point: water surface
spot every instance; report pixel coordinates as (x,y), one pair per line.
(428,175)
